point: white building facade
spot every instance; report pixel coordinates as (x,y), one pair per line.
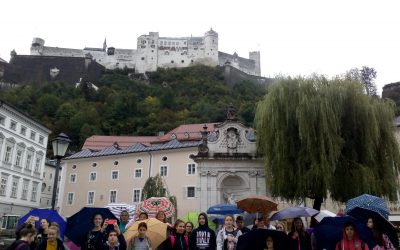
(46,192)
(23,144)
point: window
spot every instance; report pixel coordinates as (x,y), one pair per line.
(14,188)
(74,166)
(43,186)
(23,130)
(182,61)
(25,187)
(113,196)
(28,161)
(51,176)
(34,191)
(114,175)
(136,195)
(70,199)
(172,61)
(18,158)
(33,135)
(90,198)
(190,192)
(44,174)
(138,161)
(164,158)
(138,173)
(163,171)
(13,125)
(72,178)
(94,164)
(41,139)
(116,163)
(49,189)
(93,176)
(37,164)
(7,155)
(2,120)
(3,185)
(191,169)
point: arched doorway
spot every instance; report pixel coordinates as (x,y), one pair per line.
(231,187)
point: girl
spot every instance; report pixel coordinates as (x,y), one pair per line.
(350,240)
(269,243)
(298,238)
(382,240)
(177,240)
(228,236)
(52,242)
(141,241)
(43,230)
(27,236)
(94,236)
(188,228)
(143,216)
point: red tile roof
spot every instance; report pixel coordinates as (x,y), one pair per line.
(187,132)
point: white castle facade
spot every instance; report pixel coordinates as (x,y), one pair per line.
(154,52)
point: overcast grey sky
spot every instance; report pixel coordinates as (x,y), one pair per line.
(294,37)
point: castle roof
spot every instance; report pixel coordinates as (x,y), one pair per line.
(56,51)
(93,49)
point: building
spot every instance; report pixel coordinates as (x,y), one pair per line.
(48,183)
(153,51)
(23,144)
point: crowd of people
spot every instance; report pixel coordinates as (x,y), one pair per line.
(107,234)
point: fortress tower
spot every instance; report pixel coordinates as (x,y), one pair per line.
(211,47)
(146,55)
(37,46)
(255,55)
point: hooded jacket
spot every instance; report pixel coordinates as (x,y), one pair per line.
(353,244)
(203,238)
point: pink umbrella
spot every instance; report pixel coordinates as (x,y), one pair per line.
(71,245)
(153,205)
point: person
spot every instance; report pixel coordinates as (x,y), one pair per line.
(188,228)
(269,243)
(43,230)
(94,237)
(240,225)
(203,237)
(382,240)
(299,239)
(29,221)
(177,240)
(123,220)
(27,236)
(161,216)
(280,227)
(350,239)
(53,242)
(227,237)
(255,223)
(143,216)
(267,223)
(115,240)
(140,241)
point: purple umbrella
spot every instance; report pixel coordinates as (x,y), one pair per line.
(294,212)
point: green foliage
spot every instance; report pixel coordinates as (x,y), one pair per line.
(122,106)
(154,187)
(319,136)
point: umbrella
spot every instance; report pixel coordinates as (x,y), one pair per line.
(294,212)
(71,245)
(369,202)
(383,225)
(81,222)
(256,239)
(117,208)
(49,214)
(324,213)
(330,231)
(257,203)
(156,231)
(224,209)
(153,205)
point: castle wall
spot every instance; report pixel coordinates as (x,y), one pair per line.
(120,59)
(248,66)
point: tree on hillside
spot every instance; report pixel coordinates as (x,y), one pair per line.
(366,76)
(320,136)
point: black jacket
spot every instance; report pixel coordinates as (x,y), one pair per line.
(121,245)
(305,242)
(179,244)
(203,238)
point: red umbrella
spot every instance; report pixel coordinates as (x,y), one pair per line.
(153,205)
(257,203)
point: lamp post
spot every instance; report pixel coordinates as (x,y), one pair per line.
(60,145)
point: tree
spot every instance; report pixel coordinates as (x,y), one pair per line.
(366,76)
(320,136)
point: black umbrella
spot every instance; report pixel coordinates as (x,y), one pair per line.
(383,225)
(256,239)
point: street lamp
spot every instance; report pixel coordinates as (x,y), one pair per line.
(60,145)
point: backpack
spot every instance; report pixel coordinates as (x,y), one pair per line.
(18,246)
(172,238)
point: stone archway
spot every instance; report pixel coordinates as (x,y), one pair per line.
(231,187)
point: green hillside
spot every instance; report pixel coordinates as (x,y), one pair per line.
(122,106)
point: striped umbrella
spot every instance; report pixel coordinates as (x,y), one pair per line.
(368,202)
(117,208)
(153,205)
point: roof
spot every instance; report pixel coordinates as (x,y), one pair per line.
(93,49)
(187,132)
(2,60)
(99,142)
(135,148)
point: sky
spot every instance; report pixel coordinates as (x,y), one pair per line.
(294,37)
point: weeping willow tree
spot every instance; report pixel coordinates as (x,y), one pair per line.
(320,136)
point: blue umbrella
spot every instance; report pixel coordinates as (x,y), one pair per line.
(369,202)
(294,212)
(224,209)
(256,239)
(330,231)
(381,223)
(49,214)
(82,222)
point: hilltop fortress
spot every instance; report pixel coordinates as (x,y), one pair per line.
(154,51)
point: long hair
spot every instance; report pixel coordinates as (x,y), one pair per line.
(378,236)
(177,222)
(293,228)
